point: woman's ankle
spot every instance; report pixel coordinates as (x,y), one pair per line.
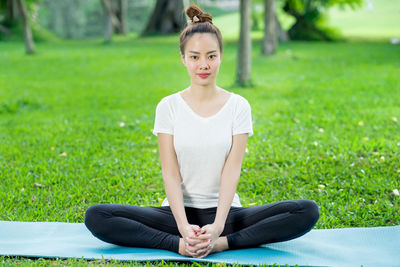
(221,244)
(181,247)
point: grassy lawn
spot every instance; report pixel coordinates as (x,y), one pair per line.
(76,122)
(326,123)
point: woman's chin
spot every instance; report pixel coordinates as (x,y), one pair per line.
(204,82)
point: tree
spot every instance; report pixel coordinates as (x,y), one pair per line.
(15,11)
(29,44)
(273,32)
(115,17)
(270,29)
(167,17)
(109,28)
(244,46)
(121,15)
(307,14)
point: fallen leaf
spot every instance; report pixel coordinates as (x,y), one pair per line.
(38,185)
(64,154)
(321,186)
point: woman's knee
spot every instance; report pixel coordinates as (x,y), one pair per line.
(310,210)
(93,217)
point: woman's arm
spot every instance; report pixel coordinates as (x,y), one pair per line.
(230,178)
(172,179)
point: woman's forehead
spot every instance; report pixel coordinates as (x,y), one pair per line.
(202,42)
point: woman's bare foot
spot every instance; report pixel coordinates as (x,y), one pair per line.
(220,245)
(182,250)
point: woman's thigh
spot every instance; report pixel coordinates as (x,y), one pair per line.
(242,217)
(160,218)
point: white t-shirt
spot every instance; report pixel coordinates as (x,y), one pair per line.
(202,144)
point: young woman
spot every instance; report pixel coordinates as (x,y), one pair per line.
(202,133)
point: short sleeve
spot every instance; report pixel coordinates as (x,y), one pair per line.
(163,122)
(242,122)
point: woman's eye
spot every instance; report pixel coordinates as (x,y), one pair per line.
(212,56)
(194,57)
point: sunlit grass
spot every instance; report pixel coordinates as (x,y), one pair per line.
(326,127)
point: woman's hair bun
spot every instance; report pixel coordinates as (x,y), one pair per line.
(193,11)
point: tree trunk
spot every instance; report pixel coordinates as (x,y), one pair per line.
(109,29)
(244,46)
(123,7)
(67,18)
(167,17)
(270,39)
(29,44)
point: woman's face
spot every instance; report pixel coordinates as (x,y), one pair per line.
(202,58)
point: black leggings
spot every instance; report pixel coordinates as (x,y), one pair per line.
(155,227)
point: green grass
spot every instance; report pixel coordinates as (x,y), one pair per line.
(323,114)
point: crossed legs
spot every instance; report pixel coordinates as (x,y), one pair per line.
(155,227)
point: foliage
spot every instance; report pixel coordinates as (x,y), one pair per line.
(39,34)
(308,15)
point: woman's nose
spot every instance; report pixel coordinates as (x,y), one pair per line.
(204,64)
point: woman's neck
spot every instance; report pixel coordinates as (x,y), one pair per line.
(203,93)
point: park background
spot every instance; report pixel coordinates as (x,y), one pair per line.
(76,116)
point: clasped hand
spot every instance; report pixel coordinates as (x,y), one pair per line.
(199,242)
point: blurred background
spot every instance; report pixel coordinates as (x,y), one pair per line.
(81,19)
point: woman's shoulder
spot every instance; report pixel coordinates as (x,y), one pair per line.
(239,99)
(169,99)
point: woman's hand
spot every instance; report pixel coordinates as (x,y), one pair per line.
(193,245)
(189,230)
(204,242)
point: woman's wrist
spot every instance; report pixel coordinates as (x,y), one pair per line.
(182,225)
(220,227)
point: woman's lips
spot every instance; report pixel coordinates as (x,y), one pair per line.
(203,75)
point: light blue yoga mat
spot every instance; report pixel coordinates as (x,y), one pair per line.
(377,246)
